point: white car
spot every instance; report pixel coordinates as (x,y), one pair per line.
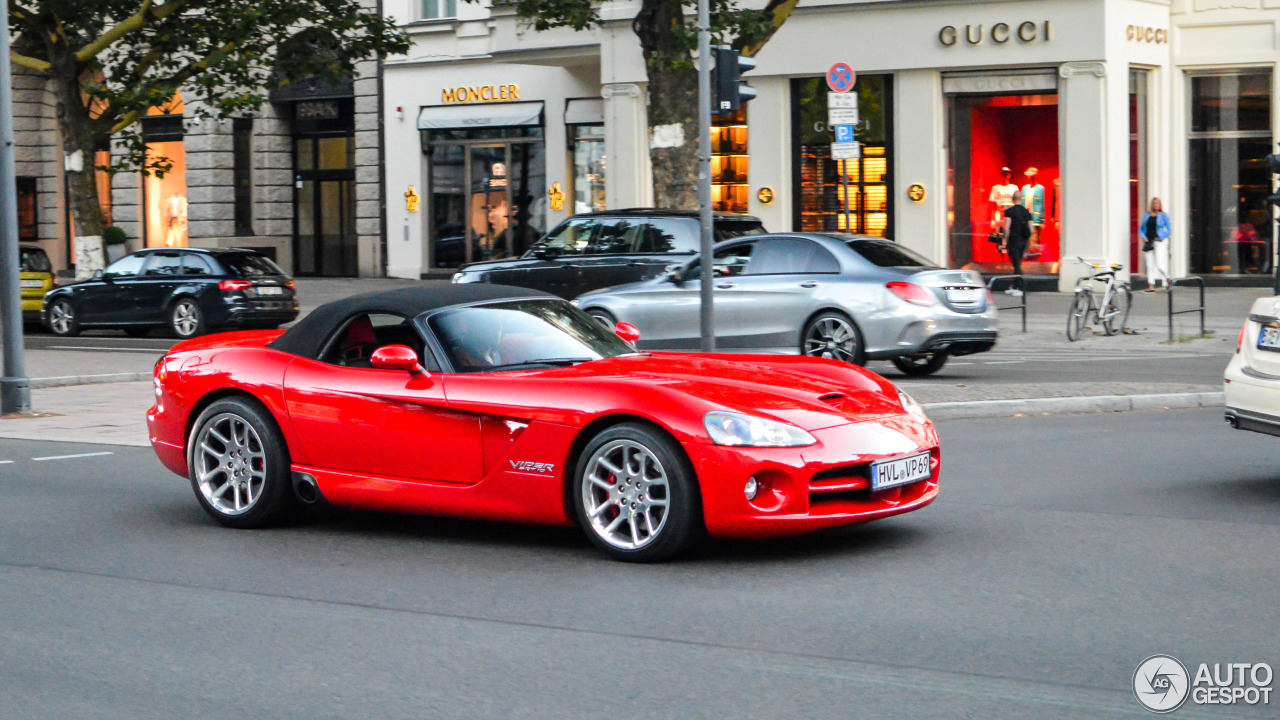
(1251,383)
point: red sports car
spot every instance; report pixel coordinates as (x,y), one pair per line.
(495,402)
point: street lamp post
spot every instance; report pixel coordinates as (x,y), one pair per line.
(708,329)
(15,392)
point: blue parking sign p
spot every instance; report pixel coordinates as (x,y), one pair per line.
(844,133)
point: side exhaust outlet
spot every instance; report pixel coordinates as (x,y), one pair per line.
(305,487)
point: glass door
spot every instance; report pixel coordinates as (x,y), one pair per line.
(324,225)
(489,210)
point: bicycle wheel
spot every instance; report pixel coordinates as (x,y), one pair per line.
(1078,315)
(1118,310)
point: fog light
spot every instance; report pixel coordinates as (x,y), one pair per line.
(751,489)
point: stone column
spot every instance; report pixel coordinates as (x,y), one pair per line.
(1086,202)
(626,143)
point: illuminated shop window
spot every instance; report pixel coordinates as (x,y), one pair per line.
(165,196)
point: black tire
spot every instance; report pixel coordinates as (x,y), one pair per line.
(604,317)
(1078,315)
(64,321)
(274,502)
(185,318)
(921,364)
(137,332)
(833,335)
(618,501)
(1120,303)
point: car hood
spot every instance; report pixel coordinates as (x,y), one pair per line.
(502,263)
(811,394)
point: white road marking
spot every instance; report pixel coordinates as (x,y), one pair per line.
(69,457)
(1002,362)
(6,462)
(108,349)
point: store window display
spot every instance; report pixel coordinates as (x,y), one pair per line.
(165,193)
(997,141)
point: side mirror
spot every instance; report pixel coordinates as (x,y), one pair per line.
(545,252)
(396,357)
(99,275)
(627,332)
(674,273)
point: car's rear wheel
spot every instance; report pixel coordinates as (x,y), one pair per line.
(239,465)
(604,318)
(921,364)
(63,320)
(636,495)
(185,318)
(833,335)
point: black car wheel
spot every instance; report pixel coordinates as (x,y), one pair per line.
(63,320)
(137,332)
(921,364)
(239,465)
(604,318)
(635,494)
(185,318)
(833,335)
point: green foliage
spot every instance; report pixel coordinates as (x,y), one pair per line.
(224,56)
(114,236)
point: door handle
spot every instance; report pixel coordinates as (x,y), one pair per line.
(725,286)
(809,284)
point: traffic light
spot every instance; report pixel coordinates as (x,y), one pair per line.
(1273,166)
(730,91)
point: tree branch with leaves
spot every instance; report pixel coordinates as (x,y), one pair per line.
(110,62)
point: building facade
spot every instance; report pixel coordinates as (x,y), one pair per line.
(496,132)
(300,181)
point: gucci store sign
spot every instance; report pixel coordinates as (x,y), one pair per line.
(998,34)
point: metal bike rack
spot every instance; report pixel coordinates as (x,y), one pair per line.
(1193,280)
(1018,283)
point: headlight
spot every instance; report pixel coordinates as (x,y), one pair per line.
(575,302)
(730,428)
(912,407)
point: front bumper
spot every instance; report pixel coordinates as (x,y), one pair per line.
(811,488)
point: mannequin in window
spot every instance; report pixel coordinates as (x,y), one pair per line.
(1002,196)
(175,221)
(1033,200)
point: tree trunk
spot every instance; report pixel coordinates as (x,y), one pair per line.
(79,135)
(673,105)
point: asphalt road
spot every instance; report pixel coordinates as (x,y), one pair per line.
(1062,551)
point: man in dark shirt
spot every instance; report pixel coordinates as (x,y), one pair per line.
(1017,233)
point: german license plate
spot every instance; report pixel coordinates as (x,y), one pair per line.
(32,283)
(964,295)
(892,472)
(270,290)
(1269,338)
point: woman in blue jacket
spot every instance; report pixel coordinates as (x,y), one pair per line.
(1154,231)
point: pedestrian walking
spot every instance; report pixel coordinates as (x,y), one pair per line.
(1155,229)
(1017,233)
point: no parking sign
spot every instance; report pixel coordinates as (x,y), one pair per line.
(841,77)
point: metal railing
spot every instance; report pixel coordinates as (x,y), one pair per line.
(1017,282)
(1193,280)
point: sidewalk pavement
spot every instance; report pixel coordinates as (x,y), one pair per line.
(111,409)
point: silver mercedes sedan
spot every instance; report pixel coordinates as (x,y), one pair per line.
(847,297)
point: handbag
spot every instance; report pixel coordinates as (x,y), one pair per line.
(1148,245)
(996,237)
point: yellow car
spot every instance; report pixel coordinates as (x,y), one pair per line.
(37,279)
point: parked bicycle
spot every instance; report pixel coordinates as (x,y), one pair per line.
(1112,311)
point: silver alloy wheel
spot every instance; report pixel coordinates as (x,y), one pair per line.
(604,319)
(185,318)
(625,494)
(832,337)
(61,317)
(231,464)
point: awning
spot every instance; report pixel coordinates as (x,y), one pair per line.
(455,117)
(585,111)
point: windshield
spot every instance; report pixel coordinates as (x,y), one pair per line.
(884,253)
(521,335)
(250,265)
(34,260)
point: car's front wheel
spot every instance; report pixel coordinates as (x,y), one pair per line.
(604,318)
(636,495)
(185,318)
(239,465)
(833,335)
(63,320)
(921,364)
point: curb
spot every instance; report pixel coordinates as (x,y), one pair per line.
(84,439)
(65,380)
(1067,405)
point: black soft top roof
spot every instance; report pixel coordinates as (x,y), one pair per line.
(307,337)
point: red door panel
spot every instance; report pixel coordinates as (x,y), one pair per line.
(381,422)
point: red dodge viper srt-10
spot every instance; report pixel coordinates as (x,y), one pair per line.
(503,403)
